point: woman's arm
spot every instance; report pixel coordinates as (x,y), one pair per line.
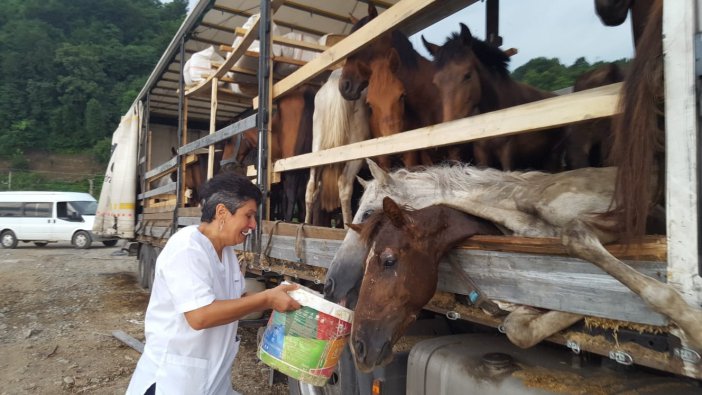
(221,312)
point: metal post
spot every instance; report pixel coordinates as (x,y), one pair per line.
(9,181)
(262,121)
(492,23)
(181,101)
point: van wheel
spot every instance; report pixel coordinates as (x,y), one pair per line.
(110,243)
(82,240)
(8,239)
(40,243)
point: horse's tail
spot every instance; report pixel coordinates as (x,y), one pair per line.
(332,114)
(637,137)
(329,194)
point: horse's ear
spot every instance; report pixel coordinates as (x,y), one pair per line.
(394,60)
(394,213)
(362,182)
(431,48)
(380,175)
(372,11)
(465,35)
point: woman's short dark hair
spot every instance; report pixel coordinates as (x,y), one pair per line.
(229,189)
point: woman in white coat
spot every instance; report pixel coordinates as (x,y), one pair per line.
(197,297)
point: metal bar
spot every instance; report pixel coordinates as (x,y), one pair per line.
(492,23)
(162,168)
(181,124)
(222,134)
(166,189)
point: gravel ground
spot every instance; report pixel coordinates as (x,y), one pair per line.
(58,308)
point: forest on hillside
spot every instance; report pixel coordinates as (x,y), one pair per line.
(70,68)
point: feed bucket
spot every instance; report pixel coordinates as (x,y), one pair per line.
(306,344)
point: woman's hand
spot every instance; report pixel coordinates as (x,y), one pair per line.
(279,300)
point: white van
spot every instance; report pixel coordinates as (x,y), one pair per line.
(48,217)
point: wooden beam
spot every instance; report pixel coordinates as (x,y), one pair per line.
(288,42)
(385,22)
(166,189)
(162,168)
(553,112)
(213,128)
(277,22)
(317,11)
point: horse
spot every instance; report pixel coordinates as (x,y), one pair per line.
(401,272)
(237,149)
(472,77)
(571,205)
(351,83)
(614,13)
(587,143)
(195,174)
(291,135)
(335,122)
(638,145)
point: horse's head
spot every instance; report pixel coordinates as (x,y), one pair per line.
(460,65)
(386,94)
(236,150)
(346,271)
(352,82)
(401,272)
(612,12)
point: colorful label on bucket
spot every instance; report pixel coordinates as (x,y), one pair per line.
(305,344)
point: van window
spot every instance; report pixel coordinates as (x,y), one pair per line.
(10,209)
(73,211)
(42,210)
(85,207)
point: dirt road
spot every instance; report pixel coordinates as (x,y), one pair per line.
(58,308)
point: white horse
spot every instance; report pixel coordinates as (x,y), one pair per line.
(336,122)
(532,204)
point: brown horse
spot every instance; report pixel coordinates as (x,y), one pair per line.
(638,148)
(236,151)
(352,83)
(587,143)
(402,271)
(614,13)
(472,77)
(401,96)
(291,135)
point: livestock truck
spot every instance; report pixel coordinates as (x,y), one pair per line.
(243,58)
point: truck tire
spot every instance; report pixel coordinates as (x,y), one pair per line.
(144,262)
(81,240)
(8,239)
(110,243)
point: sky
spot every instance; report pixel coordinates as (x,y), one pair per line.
(563,29)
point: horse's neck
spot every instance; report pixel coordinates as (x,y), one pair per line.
(422,94)
(501,91)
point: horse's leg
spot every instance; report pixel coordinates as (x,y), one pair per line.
(310,195)
(526,326)
(506,155)
(481,154)
(346,180)
(410,159)
(520,223)
(581,242)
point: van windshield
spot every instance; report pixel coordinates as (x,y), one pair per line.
(85,207)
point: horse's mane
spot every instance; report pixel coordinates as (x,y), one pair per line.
(638,141)
(408,56)
(493,58)
(331,116)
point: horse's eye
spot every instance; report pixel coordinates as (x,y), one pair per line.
(467,76)
(388,258)
(366,214)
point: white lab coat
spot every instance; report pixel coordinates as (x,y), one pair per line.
(179,359)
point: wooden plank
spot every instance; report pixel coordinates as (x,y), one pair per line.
(222,134)
(166,189)
(128,340)
(288,42)
(280,23)
(157,216)
(318,11)
(162,201)
(162,168)
(308,231)
(190,212)
(550,282)
(149,210)
(399,13)
(187,221)
(213,128)
(556,111)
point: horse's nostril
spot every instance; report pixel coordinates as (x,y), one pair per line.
(329,287)
(360,349)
